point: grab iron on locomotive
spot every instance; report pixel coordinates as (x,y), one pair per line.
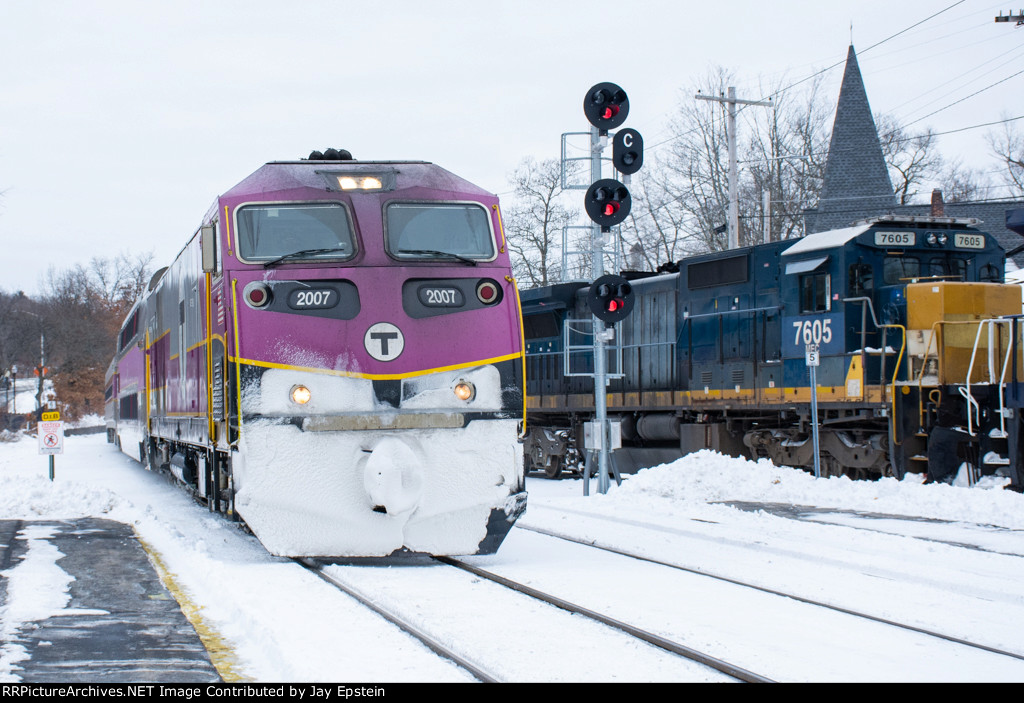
(336,358)
(917,337)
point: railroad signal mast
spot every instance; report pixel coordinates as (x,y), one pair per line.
(607,202)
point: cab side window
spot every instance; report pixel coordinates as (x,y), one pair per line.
(815,292)
(862,279)
(989,272)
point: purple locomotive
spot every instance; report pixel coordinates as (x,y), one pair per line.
(336,357)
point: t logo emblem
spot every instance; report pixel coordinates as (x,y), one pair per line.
(384,342)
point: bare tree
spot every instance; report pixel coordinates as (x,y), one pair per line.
(658,229)
(1008,146)
(82,312)
(534,223)
(911,158)
(786,155)
(960,183)
(699,161)
(21,323)
(781,151)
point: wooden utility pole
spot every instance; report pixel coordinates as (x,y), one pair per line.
(730,133)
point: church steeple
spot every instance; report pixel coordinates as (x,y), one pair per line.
(856,181)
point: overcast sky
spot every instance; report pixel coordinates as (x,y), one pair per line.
(120,122)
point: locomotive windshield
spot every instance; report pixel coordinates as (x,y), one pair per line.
(293,230)
(439,231)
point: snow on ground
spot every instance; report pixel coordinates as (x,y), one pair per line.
(706,477)
(312,634)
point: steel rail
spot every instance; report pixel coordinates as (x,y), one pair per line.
(649,637)
(770,591)
(472,667)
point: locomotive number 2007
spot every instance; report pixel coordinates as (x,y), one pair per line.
(441,297)
(313,299)
(813,331)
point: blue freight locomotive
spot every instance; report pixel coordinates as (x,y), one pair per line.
(908,318)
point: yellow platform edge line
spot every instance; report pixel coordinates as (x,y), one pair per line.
(222,656)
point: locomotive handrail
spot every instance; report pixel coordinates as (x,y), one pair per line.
(871,309)
(895,373)
(774,308)
(924,365)
(868,305)
(937,325)
(966,390)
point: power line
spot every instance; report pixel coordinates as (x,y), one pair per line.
(957,102)
(976,126)
(1014,60)
(652,147)
(864,51)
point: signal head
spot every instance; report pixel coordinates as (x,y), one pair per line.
(628,151)
(607,202)
(606,106)
(611,298)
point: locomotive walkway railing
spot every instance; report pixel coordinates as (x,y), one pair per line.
(868,307)
(965,390)
(935,339)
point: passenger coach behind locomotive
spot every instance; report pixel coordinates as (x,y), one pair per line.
(336,356)
(905,314)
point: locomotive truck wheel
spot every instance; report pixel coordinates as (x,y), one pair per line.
(554,469)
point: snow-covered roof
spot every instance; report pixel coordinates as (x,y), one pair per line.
(826,240)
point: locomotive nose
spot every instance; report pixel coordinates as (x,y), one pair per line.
(393,477)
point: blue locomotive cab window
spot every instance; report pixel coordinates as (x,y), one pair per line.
(460,231)
(990,273)
(862,279)
(541,326)
(948,268)
(815,292)
(900,269)
(300,231)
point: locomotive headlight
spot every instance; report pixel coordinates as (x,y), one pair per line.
(300,395)
(932,239)
(464,391)
(360,183)
(942,238)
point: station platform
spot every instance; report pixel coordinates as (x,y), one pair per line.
(80,602)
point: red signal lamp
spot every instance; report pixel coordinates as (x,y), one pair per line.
(611,298)
(607,202)
(606,106)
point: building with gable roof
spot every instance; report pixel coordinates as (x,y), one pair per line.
(856,183)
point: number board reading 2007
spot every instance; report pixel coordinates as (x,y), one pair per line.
(441,297)
(313,298)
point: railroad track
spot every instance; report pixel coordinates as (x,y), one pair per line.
(655,617)
(726,668)
(404,624)
(482,671)
(783,594)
